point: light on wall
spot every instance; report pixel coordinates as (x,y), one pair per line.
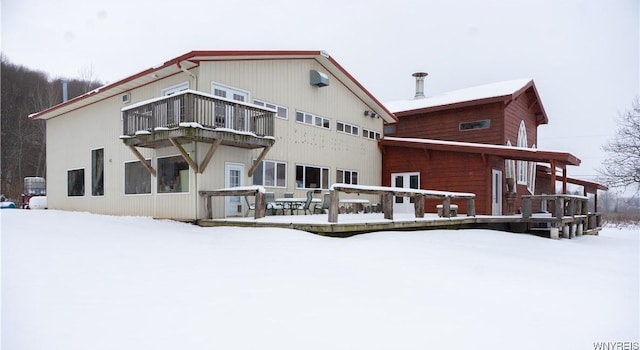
(371,114)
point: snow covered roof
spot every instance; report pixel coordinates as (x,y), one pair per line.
(499,91)
(507,152)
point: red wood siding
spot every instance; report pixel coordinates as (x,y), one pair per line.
(445,125)
(444,171)
(515,112)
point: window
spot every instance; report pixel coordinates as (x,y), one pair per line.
(522,165)
(137,179)
(281,112)
(173,175)
(368,134)
(478,124)
(389,129)
(229,92)
(531,181)
(271,173)
(75,183)
(312,177)
(97,172)
(308,118)
(347,177)
(510,166)
(348,128)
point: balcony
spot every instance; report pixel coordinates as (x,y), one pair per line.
(190,116)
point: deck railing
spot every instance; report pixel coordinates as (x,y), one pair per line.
(188,107)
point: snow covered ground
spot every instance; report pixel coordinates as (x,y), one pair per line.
(84,281)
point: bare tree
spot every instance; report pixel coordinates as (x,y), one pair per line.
(622,168)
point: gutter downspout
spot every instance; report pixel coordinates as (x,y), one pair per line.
(195,146)
(195,79)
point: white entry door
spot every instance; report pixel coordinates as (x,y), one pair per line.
(233,178)
(496,192)
(404,180)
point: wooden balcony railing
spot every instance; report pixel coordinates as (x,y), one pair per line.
(192,108)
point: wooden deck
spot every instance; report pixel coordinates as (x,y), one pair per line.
(568,219)
(352,224)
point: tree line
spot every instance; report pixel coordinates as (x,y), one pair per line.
(25,91)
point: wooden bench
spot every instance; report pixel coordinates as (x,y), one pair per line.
(387,194)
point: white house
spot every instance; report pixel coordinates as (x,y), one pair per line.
(145,145)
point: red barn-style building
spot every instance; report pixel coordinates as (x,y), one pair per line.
(481,140)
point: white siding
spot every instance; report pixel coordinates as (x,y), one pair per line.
(70,139)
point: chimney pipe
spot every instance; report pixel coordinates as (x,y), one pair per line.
(65,94)
(419,84)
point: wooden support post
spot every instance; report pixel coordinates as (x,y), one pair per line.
(571,207)
(334,200)
(526,207)
(210,153)
(387,205)
(554,233)
(565,231)
(446,207)
(260,206)
(207,206)
(259,160)
(564,179)
(471,207)
(552,190)
(184,154)
(418,204)
(143,161)
(559,208)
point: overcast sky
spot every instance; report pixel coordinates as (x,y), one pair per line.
(582,54)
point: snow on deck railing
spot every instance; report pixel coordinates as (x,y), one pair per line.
(388,193)
(197,109)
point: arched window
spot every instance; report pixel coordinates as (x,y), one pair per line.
(510,166)
(531,181)
(522,165)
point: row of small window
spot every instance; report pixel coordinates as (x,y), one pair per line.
(319,121)
(274,174)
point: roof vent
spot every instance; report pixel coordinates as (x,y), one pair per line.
(319,79)
(419,84)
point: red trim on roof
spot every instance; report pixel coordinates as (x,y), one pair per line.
(193,56)
(516,153)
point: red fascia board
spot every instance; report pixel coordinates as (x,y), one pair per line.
(510,153)
(463,104)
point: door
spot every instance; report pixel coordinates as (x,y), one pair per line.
(226,115)
(233,178)
(172,111)
(496,192)
(404,180)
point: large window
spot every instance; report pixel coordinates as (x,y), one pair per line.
(173,175)
(281,111)
(312,177)
(137,179)
(311,119)
(75,183)
(271,173)
(97,172)
(347,176)
(347,128)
